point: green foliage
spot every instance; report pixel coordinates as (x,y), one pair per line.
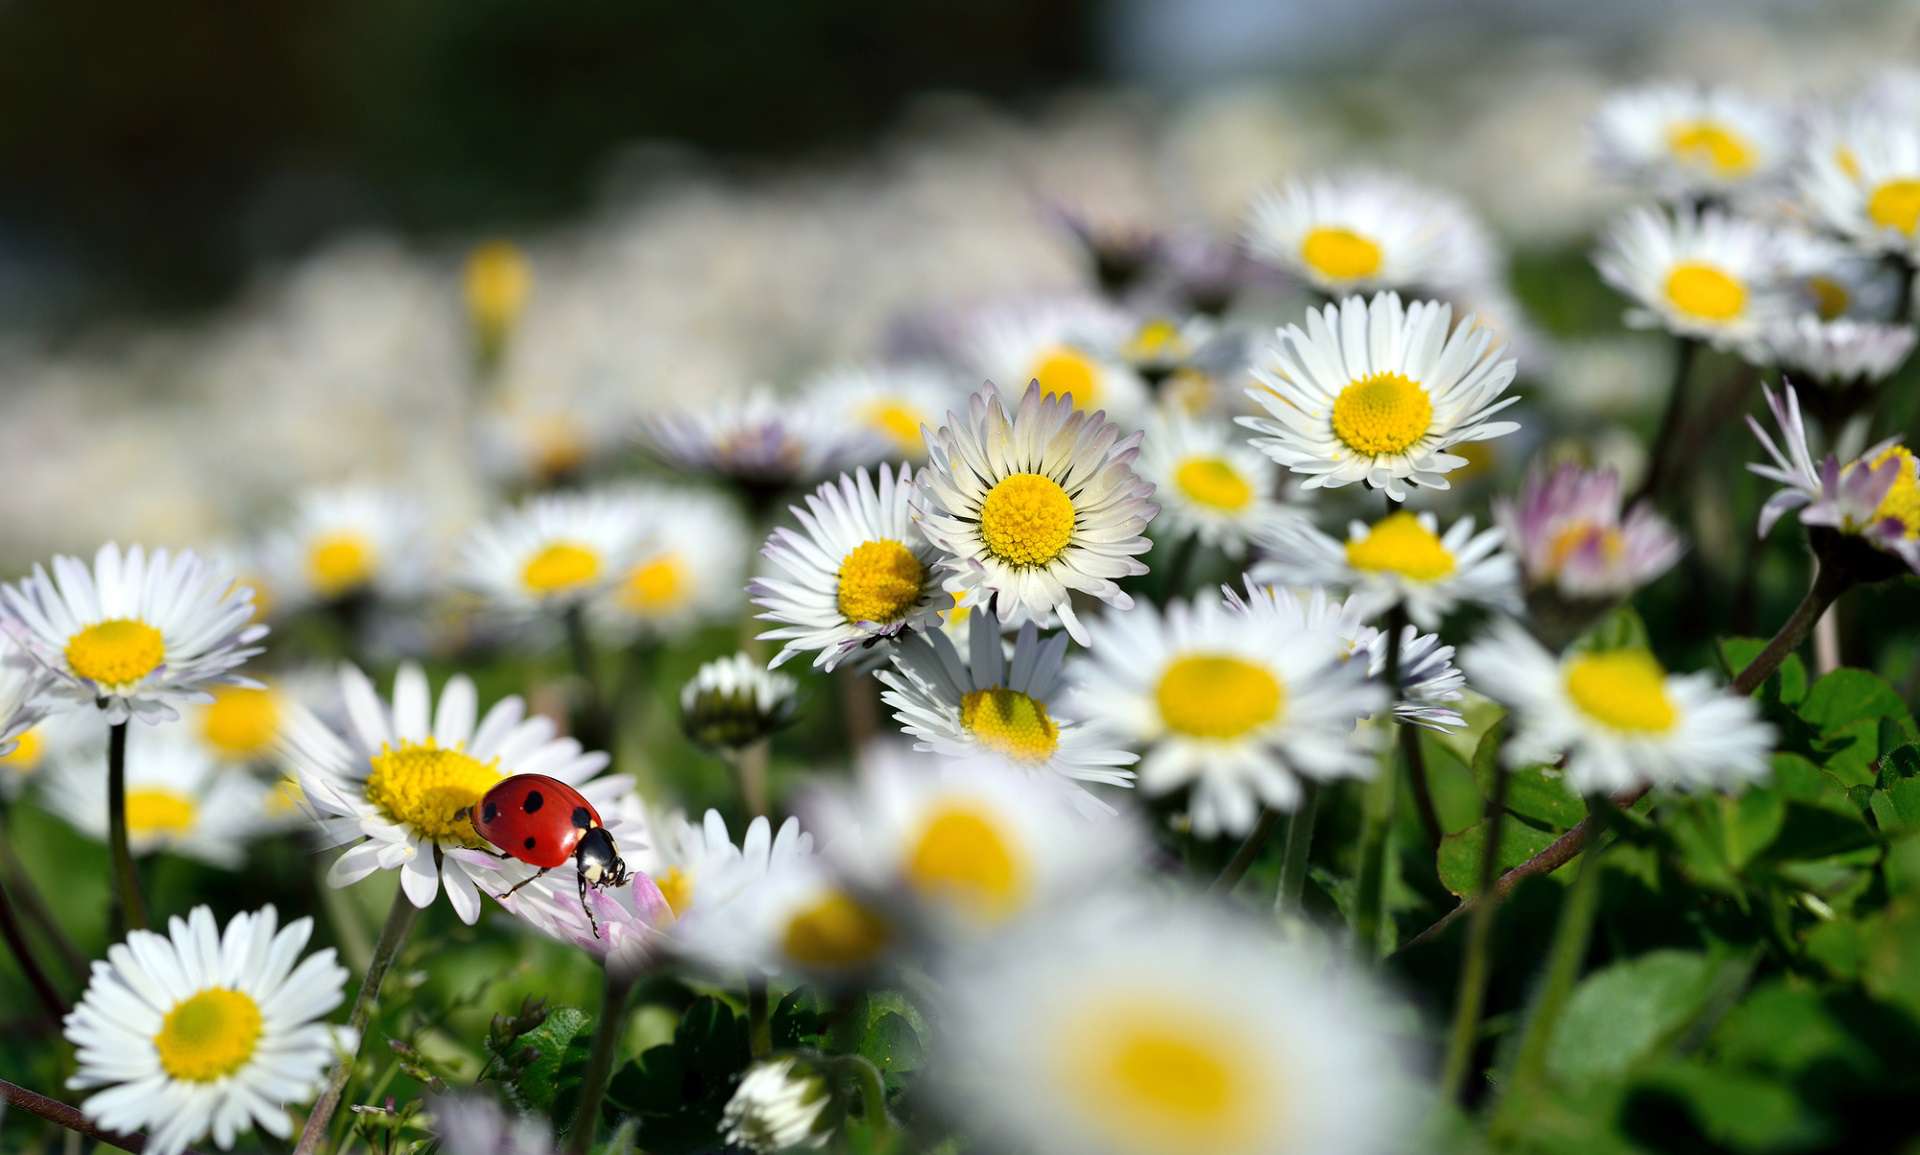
(677,1090)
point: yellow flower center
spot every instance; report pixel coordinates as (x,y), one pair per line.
(1623,689)
(879,582)
(1156,339)
(560,567)
(208,1036)
(1066,371)
(835,932)
(157,812)
(28,746)
(1701,290)
(1399,544)
(1902,502)
(498,279)
(1218,696)
(116,653)
(676,886)
(1027,520)
(1159,1079)
(1896,205)
(1579,536)
(1384,413)
(339,563)
(899,422)
(1340,254)
(960,855)
(1214,483)
(1830,298)
(428,787)
(241,723)
(1010,723)
(285,797)
(655,586)
(1712,146)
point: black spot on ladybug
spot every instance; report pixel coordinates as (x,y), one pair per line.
(533,802)
(489,812)
(529,844)
(581,819)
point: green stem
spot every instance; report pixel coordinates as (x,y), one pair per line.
(1478,963)
(1377,820)
(606,1042)
(594,726)
(750,767)
(1180,566)
(1660,460)
(43,988)
(873,1090)
(1293,861)
(1247,853)
(33,908)
(129,910)
(392,935)
(1829,582)
(759,1021)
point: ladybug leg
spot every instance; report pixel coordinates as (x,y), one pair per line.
(496,853)
(524,881)
(593,925)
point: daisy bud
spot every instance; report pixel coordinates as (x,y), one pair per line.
(731,703)
(781,1104)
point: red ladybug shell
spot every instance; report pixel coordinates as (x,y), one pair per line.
(536,819)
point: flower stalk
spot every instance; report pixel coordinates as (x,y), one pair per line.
(606,1042)
(129,909)
(1478,963)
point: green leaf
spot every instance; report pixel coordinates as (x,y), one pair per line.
(560,1044)
(1620,629)
(800,1021)
(678,1089)
(1731,1109)
(1887,967)
(1787,685)
(1622,1012)
(1848,695)
(1459,860)
(1536,792)
(1784,1027)
(1456,799)
(892,1045)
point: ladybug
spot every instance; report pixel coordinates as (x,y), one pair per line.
(543,822)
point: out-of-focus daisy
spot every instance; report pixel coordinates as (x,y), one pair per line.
(781,1104)
(1682,140)
(1242,706)
(759,441)
(857,573)
(1874,497)
(1835,281)
(1839,354)
(396,784)
(687,567)
(553,552)
(1401,559)
(529,436)
(346,541)
(1697,274)
(1569,535)
(1160,347)
(964,846)
(1379,392)
(1863,181)
(54,739)
(1360,231)
(241,725)
(732,702)
(473,1124)
(496,282)
(1165,1028)
(22,686)
(1209,483)
(204,1032)
(1619,718)
(990,705)
(179,800)
(1071,349)
(697,866)
(891,401)
(1034,505)
(1122,247)
(799,920)
(137,633)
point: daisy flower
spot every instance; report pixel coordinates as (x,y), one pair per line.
(1833,280)
(395,784)
(241,726)
(553,552)
(1210,485)
(1241,706)
(343,542)
(1360,231)
(696,866)
(989,705)
(1569,535)
(1034,505)
(1839,354)
(1377,391)
(686,570)
(892,402)
(495,284)
(1689,141)
(781,1105)
(1619,718)
(1862,180)
(51,740)
(202,1032)
(473,1124)
(1402,559)
(759,441)
(1072,348)
(1874,497)
(800,920)
(1704,275)
(22,686)
(856,574)
(179,800)
(732,702)
(1165,1027)
(137,634)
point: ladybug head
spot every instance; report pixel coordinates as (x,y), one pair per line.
(599,859)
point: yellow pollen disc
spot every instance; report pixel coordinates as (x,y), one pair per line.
(1623,689)
(285,797)
(241,723)
(497,281)
(676,886)
(1700,290)
(1896,205)
(560,567)
(656,585)
(1399,544)
(1064,370)
(899,422)
(426,786)
(116,653)
(1340,254)
(1830,299)
(1902,502)
(1218,696)
(1214,483)
(28,746)
(1580,536)
(155,811)
(1384,413)
(1027,520)
(1711,146)
(961,856)
(208,1036)
(1156,339)
(1157,1080)
(1009,722)
(879,582)
(339,563)
(835,932)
